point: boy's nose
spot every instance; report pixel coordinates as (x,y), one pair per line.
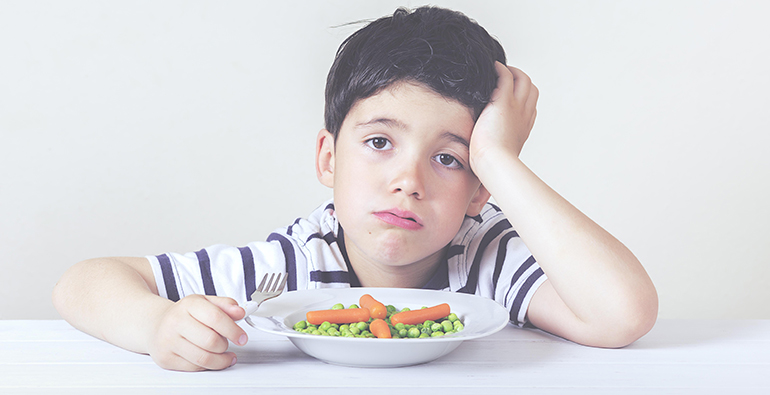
(409,180)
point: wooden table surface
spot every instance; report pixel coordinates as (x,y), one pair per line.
(676,357)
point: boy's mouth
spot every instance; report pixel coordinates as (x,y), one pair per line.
(401,218)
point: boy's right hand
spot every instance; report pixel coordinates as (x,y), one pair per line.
(193,333)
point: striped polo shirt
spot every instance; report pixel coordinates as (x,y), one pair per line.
(486,257)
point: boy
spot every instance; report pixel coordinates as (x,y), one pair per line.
(423,124)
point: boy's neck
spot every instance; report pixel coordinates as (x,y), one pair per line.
(414,275)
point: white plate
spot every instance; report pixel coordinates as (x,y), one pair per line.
(480,316)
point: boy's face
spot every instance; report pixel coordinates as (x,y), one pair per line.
(401,175)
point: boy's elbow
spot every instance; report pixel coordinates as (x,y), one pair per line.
(637,320)
(62,294)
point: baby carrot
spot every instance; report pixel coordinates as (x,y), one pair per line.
(418,316)
(376,309)
(380,329)
(341,316)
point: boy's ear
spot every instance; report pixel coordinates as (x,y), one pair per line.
(324,158)
(478,201)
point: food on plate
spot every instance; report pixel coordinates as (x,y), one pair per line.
(414,317)
(361,322)
(337,316)
(380,329)
(376,309)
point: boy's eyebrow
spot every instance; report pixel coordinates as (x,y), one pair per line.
(396,124)
(389,122)
(458,139)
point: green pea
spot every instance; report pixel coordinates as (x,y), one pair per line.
(325,326)
(403,333)
(428,323)
(447,325)
(362,326)
(353,306)
(436,327)
(437,334)
(452,317)
(459,327)
(338,306)
(405,309)
(413,332)
(344,327)
(399,326)
(315,332)
(333,332)
(300,325)
(354,330)
(423,335)
(425,330)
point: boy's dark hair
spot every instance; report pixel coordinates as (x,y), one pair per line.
(441,49)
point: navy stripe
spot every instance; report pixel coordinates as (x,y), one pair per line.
(249,271)
(336,276)
(330,238)
(454,251)
(289,229)
(502,250)
(291,262)
(520,272)
(473,274)
(495,207)
(205,267)
(476,218)
(516,307)
(168,277)
(329,206)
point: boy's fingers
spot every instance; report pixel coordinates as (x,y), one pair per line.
(522,84)
(229,306)
(203,337)
(504,81)
(212,315)
(193,358)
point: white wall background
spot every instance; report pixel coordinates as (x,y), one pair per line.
(135,128)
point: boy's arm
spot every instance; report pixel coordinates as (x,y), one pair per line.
(116,300)
(597,292)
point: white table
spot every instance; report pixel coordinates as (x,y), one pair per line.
(676,357)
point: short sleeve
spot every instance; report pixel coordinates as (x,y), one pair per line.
(217,270)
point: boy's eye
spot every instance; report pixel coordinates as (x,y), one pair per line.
(378,143)
(448,161)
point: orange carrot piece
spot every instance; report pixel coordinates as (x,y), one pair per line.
(380,329)
(377,309)
(341,316)
(418,316)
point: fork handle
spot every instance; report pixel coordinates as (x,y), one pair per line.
(250,307)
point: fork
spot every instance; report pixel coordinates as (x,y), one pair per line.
(267,289)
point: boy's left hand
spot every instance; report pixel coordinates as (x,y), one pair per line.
(507,120)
